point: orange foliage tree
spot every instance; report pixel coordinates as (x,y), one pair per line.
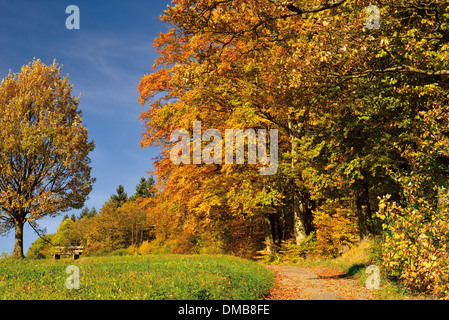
(318,75)
(238,64)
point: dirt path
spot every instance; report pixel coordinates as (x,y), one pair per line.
(315,283)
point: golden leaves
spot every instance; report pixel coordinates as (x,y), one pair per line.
(44,147)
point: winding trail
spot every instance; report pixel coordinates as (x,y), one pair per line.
(315,283)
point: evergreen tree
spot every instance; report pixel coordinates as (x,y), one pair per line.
(93,212)
(144,189)
(88,213)
(120,198)
(84,212)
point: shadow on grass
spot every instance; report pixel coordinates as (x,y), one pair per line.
(353,270)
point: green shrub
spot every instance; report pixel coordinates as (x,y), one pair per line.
(40,248)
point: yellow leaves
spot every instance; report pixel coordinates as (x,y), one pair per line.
(412,249)
(393,264)
(398,236)
(43,140)
(336,226)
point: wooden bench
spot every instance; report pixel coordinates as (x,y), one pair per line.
(74,251)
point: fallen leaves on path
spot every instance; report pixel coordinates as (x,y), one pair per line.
(315,283)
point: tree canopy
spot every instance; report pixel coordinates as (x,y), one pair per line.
(357,109)
(44,149)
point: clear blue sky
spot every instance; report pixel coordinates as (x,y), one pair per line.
(105,60)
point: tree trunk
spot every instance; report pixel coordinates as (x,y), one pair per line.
(141,234)
(18,240)
(298,214)
(299,207)
(269,241)
(280,224)
(364,215)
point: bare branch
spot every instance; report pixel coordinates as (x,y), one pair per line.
(290,5)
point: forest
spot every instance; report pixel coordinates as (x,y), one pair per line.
(362,114)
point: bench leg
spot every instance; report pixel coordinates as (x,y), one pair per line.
(57,256)
(75,256)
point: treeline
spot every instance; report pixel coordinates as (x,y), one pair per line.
(362,115)
(120,224)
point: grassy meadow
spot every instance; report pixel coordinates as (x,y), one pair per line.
(152,277)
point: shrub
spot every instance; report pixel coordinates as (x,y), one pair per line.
(133,249)
(415,242)
(336,228)
(40,247)
(145,248)
(289,251)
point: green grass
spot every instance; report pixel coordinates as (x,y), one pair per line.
(137,277)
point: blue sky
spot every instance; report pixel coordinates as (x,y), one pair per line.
(105,60)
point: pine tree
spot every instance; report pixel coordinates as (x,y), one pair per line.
(120,198)
(84,212)
(144,189)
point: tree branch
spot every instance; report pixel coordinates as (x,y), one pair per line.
(290,5)
(401,68)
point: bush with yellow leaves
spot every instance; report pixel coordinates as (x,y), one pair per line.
(336,227)
(415,240)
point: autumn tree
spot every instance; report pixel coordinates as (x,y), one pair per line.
(387,126)
(352,104)
(63,236)
(44,148)
(238,64)
(40,247)
(137,229)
